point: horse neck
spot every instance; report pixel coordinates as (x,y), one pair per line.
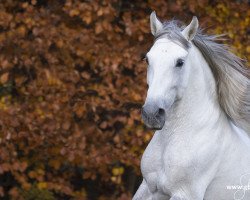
(199,107)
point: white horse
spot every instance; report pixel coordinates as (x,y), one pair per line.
(197,101)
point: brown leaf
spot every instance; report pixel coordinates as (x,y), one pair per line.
(4,77)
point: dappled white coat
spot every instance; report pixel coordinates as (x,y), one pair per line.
(199,153)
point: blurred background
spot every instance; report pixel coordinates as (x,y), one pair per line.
(72,83)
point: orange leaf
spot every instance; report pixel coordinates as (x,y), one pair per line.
(4,78)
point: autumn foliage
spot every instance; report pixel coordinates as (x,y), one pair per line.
(71,86)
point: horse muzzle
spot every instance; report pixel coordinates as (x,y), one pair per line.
(153,116)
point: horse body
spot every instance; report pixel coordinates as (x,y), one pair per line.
(198,153)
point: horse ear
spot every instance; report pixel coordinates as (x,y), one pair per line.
(190,31)
(155,23)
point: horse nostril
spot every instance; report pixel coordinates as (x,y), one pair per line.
(161,112)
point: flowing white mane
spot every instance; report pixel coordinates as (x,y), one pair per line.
(231,75)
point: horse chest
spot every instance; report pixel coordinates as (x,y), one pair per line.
(163,165)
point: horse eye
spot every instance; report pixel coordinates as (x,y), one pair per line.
(179,63)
